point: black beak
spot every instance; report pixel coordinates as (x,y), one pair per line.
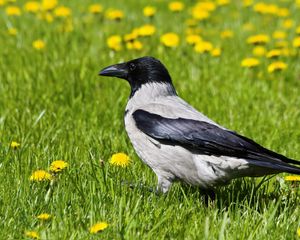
(118,70)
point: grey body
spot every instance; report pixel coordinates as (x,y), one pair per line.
(175,162)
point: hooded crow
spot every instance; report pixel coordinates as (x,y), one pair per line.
(179,143)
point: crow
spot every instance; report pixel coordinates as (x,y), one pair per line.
(178,142)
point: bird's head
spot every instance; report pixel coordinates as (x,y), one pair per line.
(139,71)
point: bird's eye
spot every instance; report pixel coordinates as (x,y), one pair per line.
(132,66)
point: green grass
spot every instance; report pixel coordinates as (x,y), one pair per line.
(55,105)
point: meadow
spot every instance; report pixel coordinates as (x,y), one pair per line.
(235,61)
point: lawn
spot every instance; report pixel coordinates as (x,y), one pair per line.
(54,104)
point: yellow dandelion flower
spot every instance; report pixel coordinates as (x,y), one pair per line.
(15,145)
(2,2)
(120,159)
(100,226)
(13,11)
(193,39)
(49,4)
(170,39)
(44,216)
(286,52)
(298,232)
(146,30)
(176,6)
(281,44)
(203,47)
(114,42)
(279,35)
(200,14)
(58,166)
(296,42)
(288,23)
(216,52)
(32,7)
(149,11)
(95,8)
(38,44)
(283,12)
(206,6)
(130,36)
(298,30)
(226,34)
(259,51)
(247,3)
(223,2)
(62,12)
(32,234)
(258,39)
(12,31)
(40,175)
(273,53)
(292,178)
(134,45)
(277,66)
(114,14)
(250,62)
(191,22)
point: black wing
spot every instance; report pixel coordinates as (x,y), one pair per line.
(206,138)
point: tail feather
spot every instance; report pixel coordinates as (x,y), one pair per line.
(280,166)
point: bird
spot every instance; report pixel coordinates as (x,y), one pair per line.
(180,143)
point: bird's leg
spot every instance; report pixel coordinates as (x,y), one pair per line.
(209,194)
(163,184)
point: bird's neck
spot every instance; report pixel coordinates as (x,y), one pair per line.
(149,93)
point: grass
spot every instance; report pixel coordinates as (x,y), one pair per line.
(55,105)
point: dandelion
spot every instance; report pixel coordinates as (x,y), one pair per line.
(223,2)
(62,12)
(203,47)
(40,175)
(38,44)
(226,34)
(114,14)
(273,53)
(13,11)
(170,39)
(259,51)
(120,159)
(176,6)
(32,234)
(58,166)
(193,39)
(135,45)
(200,14)
(15,145)
(216,52)
(279,35)
(296,42)
(44,216)
(146,30)
(276,66)
(281,44)
(292,178)
(247,3)
(100,226)
(114,42)
(95,8)
(130,36)
(149,11)
(298,30)
(283,12)
(298,232)
(258,39)
(49,4)
(288,23)
(32,7)
(250,62)
(2,2)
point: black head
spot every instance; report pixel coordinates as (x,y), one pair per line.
(139,71)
